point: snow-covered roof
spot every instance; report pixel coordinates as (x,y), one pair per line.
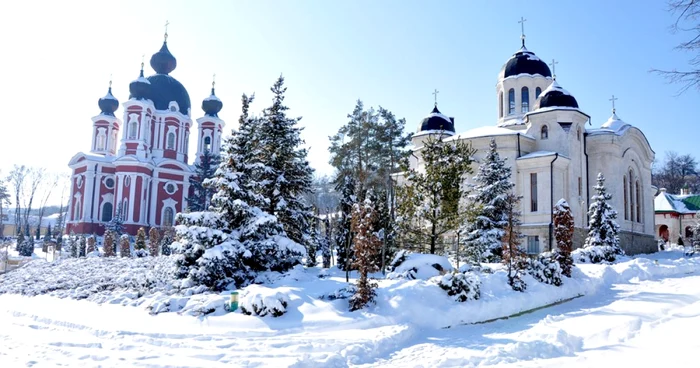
(537,154)
(614,125)
(487,131)
(427,132)
(684,204)
(518,120)
(212,97)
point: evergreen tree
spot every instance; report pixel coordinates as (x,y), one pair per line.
(366,246)
(564,235)
(325,242)
(73,244)
(20,241)
(26,249)
(204,169)
(602,228)
(46,239)
(513,255)
(287,175)
(343,233)
(314,244)
(486,227)
(166,241)
(82,243)
(140,244)
(385,228)
(153,241)
(116,224)
(124,246)
(37,234)
(429,202)
(108,246)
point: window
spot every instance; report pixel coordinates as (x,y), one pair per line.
(524,100)
(170,188)
(100,142)
(171,141)
(127,181)
(132,130)
(109,183)
(511,102)
(533,244)
(533,192)
(637,195)
(544,133)
(580,187)
(624,189)
(631,198)
(500,104)
(578,133)
(76,210)
(168,215)
(107,212)
(207,143)
(538,90)
(125,209)
(113,143)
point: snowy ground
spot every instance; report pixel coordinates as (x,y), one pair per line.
(634,312)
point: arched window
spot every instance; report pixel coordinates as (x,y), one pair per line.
(578,133)
(168,215)
(631,181)
(624,189)
(125,209)
(538,91)
(107,212)
(100,142)
(113,143)
(524,100)
(207,143)
(544,133)
(511,101)
(500,104)
(171,141)
(688,232)
(132,130)
(76,210)
(638,200)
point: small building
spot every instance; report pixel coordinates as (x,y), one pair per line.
(675,215)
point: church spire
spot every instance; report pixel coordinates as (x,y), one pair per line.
(522,30)
(613,99)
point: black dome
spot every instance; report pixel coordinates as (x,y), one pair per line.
(555,96)
(164,89)
(163,62)
(108,104)
(140,89)
(525,62)
(437,121)
(212,105)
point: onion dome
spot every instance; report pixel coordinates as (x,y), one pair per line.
(164,89)
(163,62)
(140,89)
(212,104)
(436,121)
(555,96)
(524,61)
(615,124)
(108,104)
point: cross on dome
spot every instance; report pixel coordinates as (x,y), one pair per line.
(522,29)
(613,99)
(166,30)
(553,64)
(435,94)
(213,80)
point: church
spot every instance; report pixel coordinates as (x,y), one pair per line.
(139,164)
(556,150)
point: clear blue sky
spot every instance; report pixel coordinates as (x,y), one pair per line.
(58,56)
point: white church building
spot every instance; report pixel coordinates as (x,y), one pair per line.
(556,151)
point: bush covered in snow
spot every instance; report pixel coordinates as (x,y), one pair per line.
(418,266)
(462,286)
(342,293)
(597,254)
(545,269)
(261,301)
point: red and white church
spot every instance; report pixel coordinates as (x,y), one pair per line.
(141,161)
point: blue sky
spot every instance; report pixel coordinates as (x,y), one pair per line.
(58,57)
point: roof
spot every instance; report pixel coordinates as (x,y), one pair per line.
(487,131)
(555,96)
(538,154)
(436,121)
(524,61)
(683,204)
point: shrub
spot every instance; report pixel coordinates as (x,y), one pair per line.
(264,302)
(461,286)
(597,254)
(124,246)
(545,269)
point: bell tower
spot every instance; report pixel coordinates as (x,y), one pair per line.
(210,127)
(105,126)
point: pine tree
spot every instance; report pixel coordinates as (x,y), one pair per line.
(314,245)
(343,233)
(325,242)
(124,246)
(73,244)
(204,169)
(287,175)
(46,239)
(564,235)
(513,256)
(116,225)
(82,243)
(602,228)
(140,244)
(366,246)
(485,229)
(153,241)
(166,241)
(20,241)
(428,206)
(108,246)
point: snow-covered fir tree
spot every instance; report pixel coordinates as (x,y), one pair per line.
(343,232)
(82,246)
(366,245)
(116,224)
(603,229)
(287,175)
(20,240)
(325,242)
(564,236)
(153,241)
(73,244)
(486,227)
(514,257)
(429,202)
(204,169)
(108,245)
(166,241)
(26,249)
(140,244)
(385,228)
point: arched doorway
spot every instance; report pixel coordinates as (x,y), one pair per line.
(663,232)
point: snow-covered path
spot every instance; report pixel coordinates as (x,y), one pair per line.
(650,322)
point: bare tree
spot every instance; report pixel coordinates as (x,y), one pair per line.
(687,20)
(31,185)
(676,172)
(47,188)
(16,179)
(4,200)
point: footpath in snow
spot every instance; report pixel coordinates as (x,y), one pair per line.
(405,328)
